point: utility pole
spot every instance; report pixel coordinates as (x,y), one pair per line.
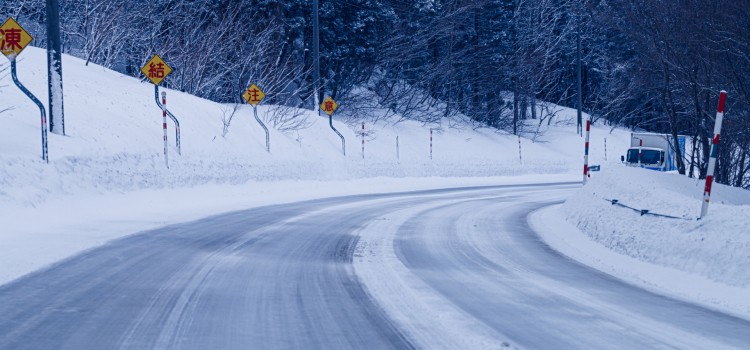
(579,124)
(316,58)
(54,69)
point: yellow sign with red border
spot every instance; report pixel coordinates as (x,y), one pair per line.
(156,70)
(13,38)
(253,95)
(329,106)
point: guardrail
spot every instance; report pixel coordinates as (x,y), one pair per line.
(644,211)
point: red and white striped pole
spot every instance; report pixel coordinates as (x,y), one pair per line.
(520,158)
(164,124)
(714,153)
(430,143)
(605,149)
(586,153)
(363,140)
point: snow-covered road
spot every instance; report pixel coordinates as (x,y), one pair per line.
(432,269)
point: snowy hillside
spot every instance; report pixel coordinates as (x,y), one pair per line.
(114,143)
(107,177)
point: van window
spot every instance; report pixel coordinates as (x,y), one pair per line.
(647,157)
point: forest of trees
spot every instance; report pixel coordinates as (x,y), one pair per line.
(648,64)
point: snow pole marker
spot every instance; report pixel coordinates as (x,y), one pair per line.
(520,158)
(164,126)
(713,154)
(363,140)
(605,149)
(586,153)
(430,143)
(171,116)
(398,154)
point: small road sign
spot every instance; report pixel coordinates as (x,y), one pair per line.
(13,38)
(329,106)
(253,95)
(156,70)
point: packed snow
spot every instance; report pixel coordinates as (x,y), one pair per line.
(107,178)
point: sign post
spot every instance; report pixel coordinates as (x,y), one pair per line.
(329,106)
(714,154)
(253,95)
(157,70)
(13,39)
(164,126)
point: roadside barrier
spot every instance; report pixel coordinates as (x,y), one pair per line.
(643,211)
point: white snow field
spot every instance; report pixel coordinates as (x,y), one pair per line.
(107,178)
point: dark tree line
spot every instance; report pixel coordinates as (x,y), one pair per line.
(648,64)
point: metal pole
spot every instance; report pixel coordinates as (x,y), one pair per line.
(268,144)
(430,143)
(176,133)
(363,140)
(343,141)
(640,152)
(171,116)
(714,153)
(586,153)
(316,58)
(54,69)
(39,104)
(164,125)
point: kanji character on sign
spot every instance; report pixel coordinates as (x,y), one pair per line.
(156,72)
(254,94)
(328,106)
(11,39)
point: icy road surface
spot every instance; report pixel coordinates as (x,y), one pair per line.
(433,269)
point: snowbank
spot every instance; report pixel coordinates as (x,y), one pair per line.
(717,247)
(706,260)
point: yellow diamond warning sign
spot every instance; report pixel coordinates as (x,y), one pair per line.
(156,70)
(13,38)
(253,95)
(329,106)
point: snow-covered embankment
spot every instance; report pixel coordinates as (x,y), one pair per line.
(704,260)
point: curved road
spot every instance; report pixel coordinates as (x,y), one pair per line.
(281,277)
